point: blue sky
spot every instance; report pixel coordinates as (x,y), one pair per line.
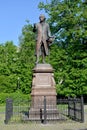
(13,16)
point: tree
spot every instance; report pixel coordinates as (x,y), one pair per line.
(68,23)
(8,53)
(26,57)
(68,53)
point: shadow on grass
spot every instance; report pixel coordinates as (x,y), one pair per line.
(25,113)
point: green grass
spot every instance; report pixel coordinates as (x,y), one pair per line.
(37,126)
(63,106)
(86,110)
(2,109)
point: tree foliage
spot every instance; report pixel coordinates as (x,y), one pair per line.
(68,53)
(26,57)
(68,23)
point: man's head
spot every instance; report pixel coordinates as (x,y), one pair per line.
(42,18)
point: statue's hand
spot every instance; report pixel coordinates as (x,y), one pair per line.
(34,25)
(34,29)
(50,40)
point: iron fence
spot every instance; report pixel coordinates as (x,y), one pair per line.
(76,109)
(64,109)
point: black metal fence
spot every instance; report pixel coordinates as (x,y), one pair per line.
(76,109)
(65,109)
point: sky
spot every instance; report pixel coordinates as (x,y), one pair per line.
(13,16)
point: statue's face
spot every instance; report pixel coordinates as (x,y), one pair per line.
(42,18)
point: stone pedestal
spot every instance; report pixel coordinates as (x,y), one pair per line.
(43,85)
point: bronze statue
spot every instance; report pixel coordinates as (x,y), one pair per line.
(43,38)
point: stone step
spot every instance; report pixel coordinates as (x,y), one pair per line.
(25,118)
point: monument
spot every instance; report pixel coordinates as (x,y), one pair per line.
(43,38)
(43,83)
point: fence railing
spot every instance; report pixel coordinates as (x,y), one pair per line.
(76,109)
(65,109)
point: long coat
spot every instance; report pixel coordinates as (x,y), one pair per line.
(42,33)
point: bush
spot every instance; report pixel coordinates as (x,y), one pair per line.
(17,97)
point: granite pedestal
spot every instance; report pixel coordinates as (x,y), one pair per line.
(43,85)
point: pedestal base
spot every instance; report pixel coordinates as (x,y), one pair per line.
(43,85)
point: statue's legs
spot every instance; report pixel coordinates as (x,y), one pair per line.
(40,50)
(38,46)
(43,58)
(37,59)
(43,53)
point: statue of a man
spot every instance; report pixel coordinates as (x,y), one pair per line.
(42,39)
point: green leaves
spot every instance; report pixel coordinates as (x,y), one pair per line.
(68,53)
(68,21)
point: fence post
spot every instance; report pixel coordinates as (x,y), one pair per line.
(41,115)
(74,108)
(82,109)
(68,106)
(45,113)
(9,110)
